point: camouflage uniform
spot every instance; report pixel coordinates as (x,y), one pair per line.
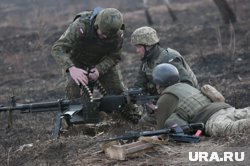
(80,46)
(228,121)
(182,104)
(157,55)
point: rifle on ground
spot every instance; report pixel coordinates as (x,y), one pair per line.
(80,110)
(175,133)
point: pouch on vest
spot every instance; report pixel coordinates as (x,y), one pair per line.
(212,93)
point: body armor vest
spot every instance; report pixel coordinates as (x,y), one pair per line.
(191,100)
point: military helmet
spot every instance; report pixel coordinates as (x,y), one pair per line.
(165,75)
(109,21)
(144,36)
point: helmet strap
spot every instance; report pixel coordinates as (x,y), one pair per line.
(148,49)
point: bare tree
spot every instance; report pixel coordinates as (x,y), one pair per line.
(226,12)
(148,16)
(167,4)
(171,12)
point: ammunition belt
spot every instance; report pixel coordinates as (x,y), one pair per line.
(87,90)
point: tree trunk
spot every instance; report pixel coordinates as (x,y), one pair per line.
(171,12)
(226,12)
(146,11)
(149,19)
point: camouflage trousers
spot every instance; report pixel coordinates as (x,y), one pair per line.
(228,121)
(111,82)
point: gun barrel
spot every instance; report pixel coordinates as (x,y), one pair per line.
(144,97)
(34,106)
(156,132)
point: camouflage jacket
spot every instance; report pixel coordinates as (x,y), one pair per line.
(80,46)
(158,55)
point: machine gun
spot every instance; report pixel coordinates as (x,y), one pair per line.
(79,110)
(175,133)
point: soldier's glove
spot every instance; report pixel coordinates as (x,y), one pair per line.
(151,108)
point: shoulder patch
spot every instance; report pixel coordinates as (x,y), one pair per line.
(170,60)
(81,31)
(120,33)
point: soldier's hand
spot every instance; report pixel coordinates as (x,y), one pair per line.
(151,107)
(79,75)
(94,74)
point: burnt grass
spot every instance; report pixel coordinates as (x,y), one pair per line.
(218,54)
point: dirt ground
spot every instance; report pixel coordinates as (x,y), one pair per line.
(217,53)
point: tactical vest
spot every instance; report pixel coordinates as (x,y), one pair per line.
(191,100)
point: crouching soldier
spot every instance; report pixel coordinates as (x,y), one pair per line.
(90,50)
(147,45)
(181,104)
